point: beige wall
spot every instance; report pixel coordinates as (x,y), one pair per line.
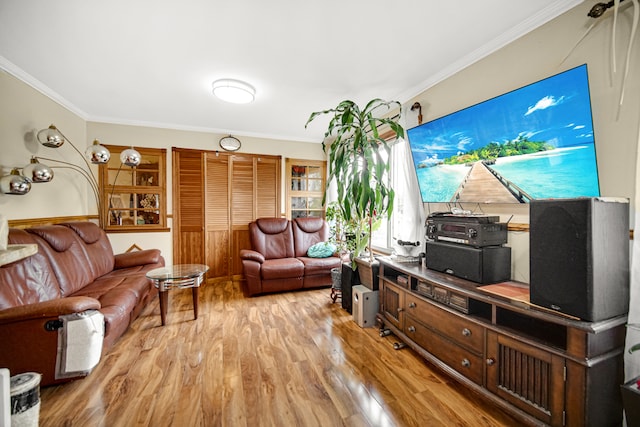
(535,56)
(24,111)
(538,55)
(139,136)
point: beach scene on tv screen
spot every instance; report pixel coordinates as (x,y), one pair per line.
(535,142)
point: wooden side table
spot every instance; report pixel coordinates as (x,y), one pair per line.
(177,276)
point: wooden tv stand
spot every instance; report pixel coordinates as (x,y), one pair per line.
(542,367)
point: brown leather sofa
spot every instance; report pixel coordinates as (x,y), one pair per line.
(278,261)
(73,272)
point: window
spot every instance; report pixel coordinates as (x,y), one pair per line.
(305,188)
(134,198)
(380,236)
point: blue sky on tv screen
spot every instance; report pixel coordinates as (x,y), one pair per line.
(556,110)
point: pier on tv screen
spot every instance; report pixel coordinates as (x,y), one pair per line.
(535,142)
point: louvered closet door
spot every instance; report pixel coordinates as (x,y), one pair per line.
(268,185)
(215,197)
(255,193)
(188,207)
(217,214)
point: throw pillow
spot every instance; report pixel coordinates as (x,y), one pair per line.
(321,250)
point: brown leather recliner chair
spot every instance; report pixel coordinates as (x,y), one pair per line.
(278,259)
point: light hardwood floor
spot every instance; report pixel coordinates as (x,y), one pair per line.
(291,359)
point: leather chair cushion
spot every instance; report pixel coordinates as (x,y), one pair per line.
(282,268)
(118,299)
(34,274)
(67,257)
(307,232)
(319,265)
(272,237)
(86,230)
(96,245)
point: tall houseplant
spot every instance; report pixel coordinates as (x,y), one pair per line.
(358,165)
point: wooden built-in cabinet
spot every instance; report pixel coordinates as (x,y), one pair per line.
(133,199)
(305,185)
(542,367)
(215,197)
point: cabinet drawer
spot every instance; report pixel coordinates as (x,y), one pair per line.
(458,358)
(458,329)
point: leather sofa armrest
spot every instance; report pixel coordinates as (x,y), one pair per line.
(248,254)
(52,308)
(136,258)
(28,344)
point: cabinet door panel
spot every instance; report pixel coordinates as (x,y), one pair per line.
(268,187)
(217,215)
(242,191)
(188,208)
(217,193)
(243,207)
(393,304)
(529,378)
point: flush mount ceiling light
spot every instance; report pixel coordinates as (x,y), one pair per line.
(235,91)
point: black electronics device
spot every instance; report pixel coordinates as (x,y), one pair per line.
(467,233)
(579,252)
(469,218)
(350,278)
(490,264)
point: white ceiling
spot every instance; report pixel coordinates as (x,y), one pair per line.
(152,63)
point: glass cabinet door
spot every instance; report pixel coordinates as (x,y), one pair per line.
(306,182)
(134,197)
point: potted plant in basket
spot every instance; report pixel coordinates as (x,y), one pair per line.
(357,162)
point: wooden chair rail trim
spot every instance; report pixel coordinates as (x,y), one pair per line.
(35,222)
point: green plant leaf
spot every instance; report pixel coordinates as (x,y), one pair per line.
(356,162)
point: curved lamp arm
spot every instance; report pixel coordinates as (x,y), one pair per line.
(87,174)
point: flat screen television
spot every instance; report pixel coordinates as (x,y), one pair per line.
(534,142)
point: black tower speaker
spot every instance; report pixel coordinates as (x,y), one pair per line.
(350,278)
(489,264)
(579,252)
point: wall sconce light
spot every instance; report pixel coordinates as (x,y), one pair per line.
(37,172)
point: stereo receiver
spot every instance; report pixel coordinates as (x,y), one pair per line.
(467,233)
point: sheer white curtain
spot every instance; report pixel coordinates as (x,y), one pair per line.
(408,210)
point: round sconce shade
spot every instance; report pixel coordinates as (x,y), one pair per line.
(51,137)
(14,183)
(97,154)
(234,91)
(37,172)
(130,157)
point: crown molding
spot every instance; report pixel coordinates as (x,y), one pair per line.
(534,21)
(12,69)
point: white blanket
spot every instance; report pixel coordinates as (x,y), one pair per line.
(79,343)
